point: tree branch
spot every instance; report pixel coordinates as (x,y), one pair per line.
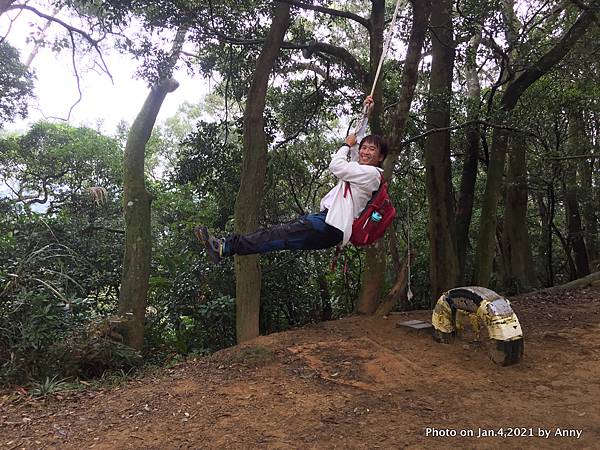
(456,127)
(93,42)
(343,55)
(91,227)
(332,12)
(299,66)
(5,5)
(76,76)
(304,126)
(30,200)
(11,19)
(561,158)
(550,58)
(348,60)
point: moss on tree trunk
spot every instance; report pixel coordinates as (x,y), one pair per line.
(137,199)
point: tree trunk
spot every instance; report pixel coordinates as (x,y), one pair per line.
(485,241)
(374,273)
(250,195)
(443,263)
(371,284)
(519,271)
(566,245)
(575,231)
(545,244)
(398,292)
(377,20)
(588,205)
(591,280)
(469,173)
(410,72)
(136,198)
(590,215)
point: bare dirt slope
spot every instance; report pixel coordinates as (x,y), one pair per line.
(354,383)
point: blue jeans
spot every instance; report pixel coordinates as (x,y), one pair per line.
(305,233)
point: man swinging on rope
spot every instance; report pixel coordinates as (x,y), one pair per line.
(338,209)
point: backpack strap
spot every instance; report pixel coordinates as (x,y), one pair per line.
(347,189)
(347,186)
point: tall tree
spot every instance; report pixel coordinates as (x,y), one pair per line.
(373,275)
(589,208)
(518,260)
(254,166)
(137,200)
(443,265)
(500,137)
(466,197)
(516,248)
(586,170)
(575,143)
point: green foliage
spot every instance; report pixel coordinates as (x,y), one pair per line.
(47,312)
(56,164)
(206,328)
(16,85)
(59,265)
(48,386)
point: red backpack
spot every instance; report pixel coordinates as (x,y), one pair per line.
(377,216)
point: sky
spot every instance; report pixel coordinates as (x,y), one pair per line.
(105,103)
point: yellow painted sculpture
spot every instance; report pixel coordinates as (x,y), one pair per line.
(503,327)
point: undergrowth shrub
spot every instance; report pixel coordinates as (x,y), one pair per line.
(207,328)
(40,338)
(49,324)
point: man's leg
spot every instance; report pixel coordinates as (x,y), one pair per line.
(305,233)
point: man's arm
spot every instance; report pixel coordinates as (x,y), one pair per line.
(352,171)
(352,140)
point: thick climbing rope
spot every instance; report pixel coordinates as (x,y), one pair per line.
(386,47)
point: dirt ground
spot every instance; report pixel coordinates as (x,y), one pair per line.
(353,383)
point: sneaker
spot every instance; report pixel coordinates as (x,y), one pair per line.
(213,246)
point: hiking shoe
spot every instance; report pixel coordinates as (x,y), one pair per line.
(212,245)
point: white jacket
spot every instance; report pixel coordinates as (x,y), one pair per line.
(364,180)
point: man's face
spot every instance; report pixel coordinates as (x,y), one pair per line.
(369,154)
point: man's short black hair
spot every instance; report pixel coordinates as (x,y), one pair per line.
(377,140)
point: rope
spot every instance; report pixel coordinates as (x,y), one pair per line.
(409,294)
(386,47)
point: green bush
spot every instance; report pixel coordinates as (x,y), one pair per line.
(205,329)
(49,314)
(40,338)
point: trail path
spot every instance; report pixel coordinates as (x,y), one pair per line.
(354,383)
